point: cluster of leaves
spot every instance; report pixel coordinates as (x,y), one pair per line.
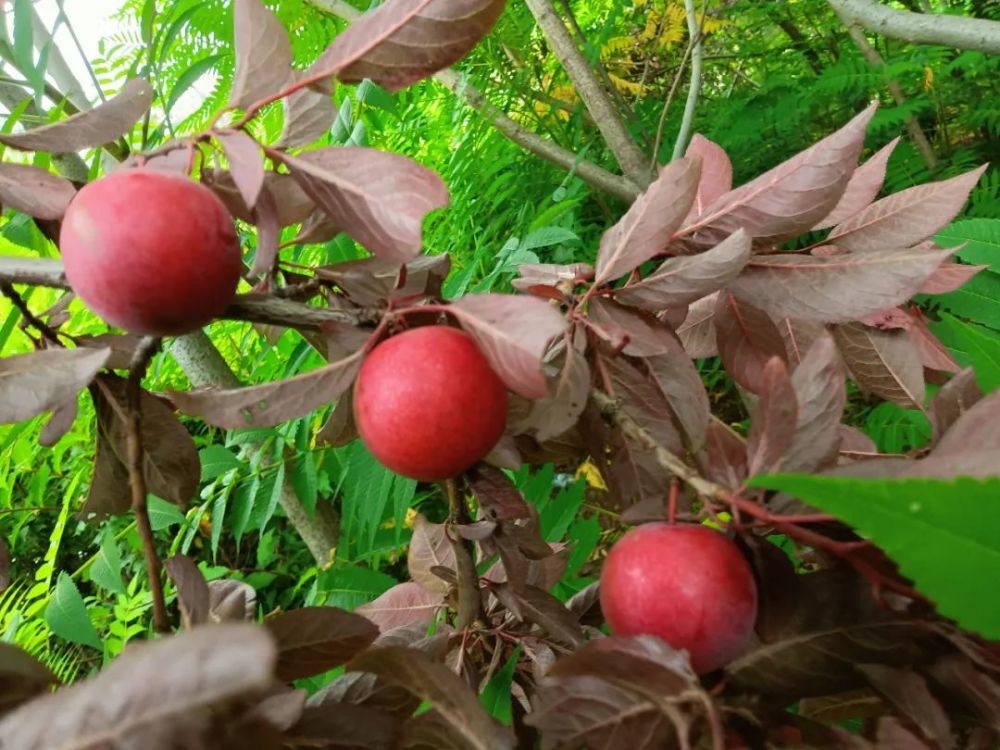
(600,361)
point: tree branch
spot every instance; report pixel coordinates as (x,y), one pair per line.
(694,30)
(633,162)
(470,602)
(591,173)
(977,34)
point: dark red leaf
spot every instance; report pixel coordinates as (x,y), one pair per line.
(747,339)
(908,691)
(245,163)
(948,277)
(309,115)
(561,408)
(265,216)
(820,393)
(294,206)
(429,548)
(682,386)
(22,677)
(697,332)
(42,381)
(35,192)
(885,363)
(533,605)
(726,455)
(954,399)
(314,640)
(192,590)
(772,428)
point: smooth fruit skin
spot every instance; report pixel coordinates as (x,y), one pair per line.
(428,405)
(688,585)
(152,252)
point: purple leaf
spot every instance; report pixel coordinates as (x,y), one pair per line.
(309,115)
(978,429)
(35,192)
(22,676)
(790,198)
(263,54)
(272,403)
(862,188)
(61,421)
(513,333)
(907,217)
(687,278)
(716,173)
(89,129)
(682,386)
(314,640)
(772,428)
(265,216)
(644,401)
(378,198)
(747,339)
(820,393)
(885,363)
(42,381)
(697,332)
(245,163)
(404,41)
(645,230)
(835,288)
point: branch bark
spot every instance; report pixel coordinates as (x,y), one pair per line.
(694,88)
(871,54)
(977,34)
(591,173)
(631,158)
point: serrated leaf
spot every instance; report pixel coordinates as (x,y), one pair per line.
(190,76)
(163,515)
(933,529)
(216,460)
(35,192)
(66,614)
(907,217)
(981,347)
(106,571)
(263,53)
(647,226)
(95,127)
(979,240)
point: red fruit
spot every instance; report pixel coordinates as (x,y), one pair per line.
(688,585)
(152,252)
(427,403)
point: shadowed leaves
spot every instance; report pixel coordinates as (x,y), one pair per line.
(400,43)
(272,403)
(513,333)
(314,640)
(560,409)
(35,192)
(820,395)
(263,53)
(42,381)
(95,127)
(747,339)
(22,677)
(885,363)
(192,590)
(156,695)
(646,228)
(533,605)
(378,198)
(772,428)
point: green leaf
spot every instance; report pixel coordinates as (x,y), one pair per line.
(244,499)
(584,536)
(304,480)
(897,430)
(978,299)
(496,696)
(163,515)
(190,76)
(66,615)
(106,571)
(216,461)
(944,535)
(218,518)
(982,350)
(982,238)
(267,498)
(350,586)
(561,512)
(23,36)
(547,236)
(175,28)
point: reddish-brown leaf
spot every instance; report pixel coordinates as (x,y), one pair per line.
(309,115)
(294,206)
(560,409)
(862,188)
(91,128)
(535,606)
(790,198)
(955,398)
(835,288)
(245,163)
(42,381)
(430,548)
(908,691)
(716,173)
(378,198)
(933,354)
(747,339)
(552,275)
(907,217)
(697,332)
(948,277)
(513,333)
(820,393)
(265,216)
(773,425)
(497,495)
(192,590)
(22,676)
(799,336)
(263,54)
(272,403)
(402,42)
(885,363)
(725,455)
(645,230)
(405,604)
(680,383)
(35,192)
(687,278)
(314,640)
(635,332)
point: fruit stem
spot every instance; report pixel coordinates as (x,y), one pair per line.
(137,479)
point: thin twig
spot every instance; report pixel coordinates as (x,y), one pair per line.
(670,98)
(29,317)
(137,478)
(470,603)
(687,121)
